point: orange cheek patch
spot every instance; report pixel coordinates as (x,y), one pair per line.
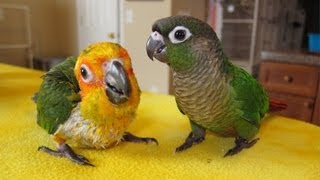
(87,87)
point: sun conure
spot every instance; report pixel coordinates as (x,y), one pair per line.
(215,94)
(89,101)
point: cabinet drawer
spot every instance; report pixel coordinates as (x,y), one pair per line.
(289,78)
(316,111)
(300,108)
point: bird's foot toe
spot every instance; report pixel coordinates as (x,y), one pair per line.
(191,140)
(240,144)
(65,150)
(132,138)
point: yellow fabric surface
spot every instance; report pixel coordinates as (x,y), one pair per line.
(288,149)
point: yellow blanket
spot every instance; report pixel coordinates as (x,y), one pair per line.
(288,149)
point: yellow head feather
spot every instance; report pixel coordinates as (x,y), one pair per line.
(95,104)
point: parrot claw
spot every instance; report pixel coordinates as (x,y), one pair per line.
(240,144)
(65,150)
(132,138)
(191,140)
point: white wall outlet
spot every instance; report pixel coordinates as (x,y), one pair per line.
(129,16)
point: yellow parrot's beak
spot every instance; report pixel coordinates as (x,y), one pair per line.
(117,83)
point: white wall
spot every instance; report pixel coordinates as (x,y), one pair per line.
(137,18)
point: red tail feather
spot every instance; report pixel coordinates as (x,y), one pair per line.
(276,106)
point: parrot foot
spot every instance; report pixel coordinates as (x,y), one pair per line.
(240,144)
(132,138)
(191,140)
(65,150)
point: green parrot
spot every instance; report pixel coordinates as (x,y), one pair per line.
(215,94)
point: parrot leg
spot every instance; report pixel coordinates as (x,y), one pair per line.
(195,137)
(64,150)
(132,138)
(240,144)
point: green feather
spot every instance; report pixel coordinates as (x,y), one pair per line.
(176,53)
(57,96)
(209,89)
(252,99)
(248,92)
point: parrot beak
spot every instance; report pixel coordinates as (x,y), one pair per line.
(156,48)
(117,83)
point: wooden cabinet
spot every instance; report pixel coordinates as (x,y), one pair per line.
(316,116)
(297,85)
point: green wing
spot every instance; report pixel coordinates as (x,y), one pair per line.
(249,94)
(57,96)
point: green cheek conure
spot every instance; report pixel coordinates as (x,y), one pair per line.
(215,94)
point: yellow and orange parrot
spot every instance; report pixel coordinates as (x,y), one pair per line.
(89,101)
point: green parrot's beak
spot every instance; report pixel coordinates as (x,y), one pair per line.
(117,84)
(156,47)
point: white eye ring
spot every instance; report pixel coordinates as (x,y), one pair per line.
(179,34)
(86,73)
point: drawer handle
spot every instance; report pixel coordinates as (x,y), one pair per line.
(288,79)
(308,105)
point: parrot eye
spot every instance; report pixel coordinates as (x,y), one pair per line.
(179,34)
(86,74)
